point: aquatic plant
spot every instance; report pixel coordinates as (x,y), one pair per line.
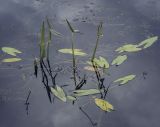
(97,64)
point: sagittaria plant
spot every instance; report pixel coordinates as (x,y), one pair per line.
(96,64)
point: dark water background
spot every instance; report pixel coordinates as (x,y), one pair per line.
(125,21)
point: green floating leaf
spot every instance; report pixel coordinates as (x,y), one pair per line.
(86,92)
(59,93)
(42,43)
(104,105)
(77,52)
(10,51)
(125,79)
(128,48)
(119,60)
(8,60)
(101,62)
(71,98)
(148,42)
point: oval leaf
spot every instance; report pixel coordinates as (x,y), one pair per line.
(125,79)
(77,52)
(10,51)
(86,92)
(71,98)
(148,42)
(128,48)
(8,60)
(119,59)
(104,105)
(101,62)
(59,93)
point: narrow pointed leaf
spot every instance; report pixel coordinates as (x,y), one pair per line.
(8,60)
(104,105)
(119,60)
(86,92)
(71,98)
(10,51)
(77,52)
(128,48)
(125,79)
(148,42)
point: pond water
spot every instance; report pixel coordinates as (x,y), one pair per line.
(136,104)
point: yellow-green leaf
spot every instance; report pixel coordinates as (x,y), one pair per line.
(8,60)
(77,52)
(148,42)
(125,79)
(59,93)
(71,98)
(10,51)
(101,62)
(119,59)
(104,105)
(86,92)
(128,48)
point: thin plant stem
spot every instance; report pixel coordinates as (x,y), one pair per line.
(95,49)
(74,60)
(89,118)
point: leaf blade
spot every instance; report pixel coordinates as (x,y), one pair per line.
(10,51)
(8,60)
(119,60)
(125,79)
(148,42)
(104,105)
(86,92)
(77,52)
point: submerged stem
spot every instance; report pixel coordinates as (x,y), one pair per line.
(74,60)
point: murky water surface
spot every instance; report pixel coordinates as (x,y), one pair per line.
(136,104)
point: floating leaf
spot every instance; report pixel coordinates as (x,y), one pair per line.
(86,92)
(119,59)
(128,48)
(59,93)
(125,79)
(101,62)
(148,42)
(71,98)
(42,43)
(77,52)
(10,51)
(89,68)
(104,105)
(8,60)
